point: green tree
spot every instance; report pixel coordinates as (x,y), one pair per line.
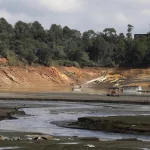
(38,31)
(55,34)
(6,31)
(129,31)
(130,52)
(88,38)
(22,30)
(101,52)
(141,49)
(119,52)
(109,32)
(11,57)
(67,33)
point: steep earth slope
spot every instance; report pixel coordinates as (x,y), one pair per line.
(46,79)
(123,77)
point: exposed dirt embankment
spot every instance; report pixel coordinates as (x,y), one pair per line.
(35,79)
(136,76)
(122,76)
(45,78)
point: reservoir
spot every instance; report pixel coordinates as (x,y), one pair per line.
(41,114)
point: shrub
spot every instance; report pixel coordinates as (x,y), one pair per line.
(12,58)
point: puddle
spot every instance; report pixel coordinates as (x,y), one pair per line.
(74,143)
(7,148)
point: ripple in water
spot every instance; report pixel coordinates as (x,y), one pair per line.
(40,118)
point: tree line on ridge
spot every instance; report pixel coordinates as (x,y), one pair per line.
(31,44)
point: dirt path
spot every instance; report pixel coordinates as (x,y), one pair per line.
(74,97)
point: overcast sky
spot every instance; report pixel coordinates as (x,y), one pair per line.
(80,14)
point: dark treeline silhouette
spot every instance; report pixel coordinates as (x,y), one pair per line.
(31,44)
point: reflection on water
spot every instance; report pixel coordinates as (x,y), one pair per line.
(7,148)
(42,116)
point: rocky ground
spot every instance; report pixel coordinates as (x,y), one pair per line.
(75,144)
(8,113)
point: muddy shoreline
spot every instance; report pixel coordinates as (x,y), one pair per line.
(137,125)
(58,143)
(7,113)
(77,97)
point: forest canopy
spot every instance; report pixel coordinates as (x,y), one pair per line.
(31,44)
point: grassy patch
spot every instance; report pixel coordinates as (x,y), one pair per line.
(122,124)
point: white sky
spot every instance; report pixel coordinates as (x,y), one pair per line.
(82,15)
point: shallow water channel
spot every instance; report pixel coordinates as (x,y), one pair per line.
(43,113)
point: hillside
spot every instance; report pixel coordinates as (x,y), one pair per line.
(45,79)
(122,77)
